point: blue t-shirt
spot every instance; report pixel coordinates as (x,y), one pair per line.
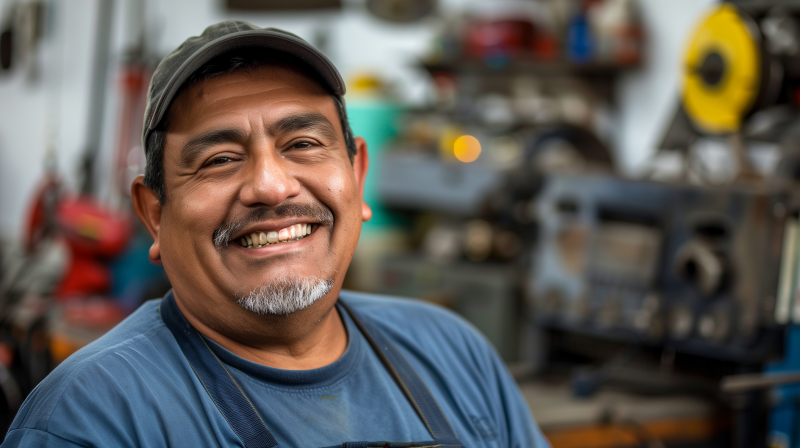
(134,387)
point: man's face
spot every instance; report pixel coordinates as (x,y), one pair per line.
(252,154)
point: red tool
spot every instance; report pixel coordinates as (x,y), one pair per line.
(92,233)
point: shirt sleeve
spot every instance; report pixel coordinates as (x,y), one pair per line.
(512,423)
(521,429)
(513,420)
(28,437)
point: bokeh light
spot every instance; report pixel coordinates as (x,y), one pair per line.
(467,148)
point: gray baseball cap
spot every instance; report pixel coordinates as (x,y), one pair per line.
(175,69)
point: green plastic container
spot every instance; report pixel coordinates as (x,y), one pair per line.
(376,121)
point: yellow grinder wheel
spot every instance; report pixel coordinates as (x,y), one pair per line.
(721,72)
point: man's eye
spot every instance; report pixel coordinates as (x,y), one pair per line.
(302,145)
(219,161)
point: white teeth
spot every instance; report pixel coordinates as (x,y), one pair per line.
(291,233)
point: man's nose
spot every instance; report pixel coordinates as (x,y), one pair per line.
(268,180)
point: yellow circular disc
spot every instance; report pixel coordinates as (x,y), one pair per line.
(722,72)
(467,148)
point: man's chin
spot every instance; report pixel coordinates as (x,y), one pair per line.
(285,295)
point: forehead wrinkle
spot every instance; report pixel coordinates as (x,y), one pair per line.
(210,101)
(250,90)
(248,77)
(216,112)
(204,91)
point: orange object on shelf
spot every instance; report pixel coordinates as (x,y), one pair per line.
(695,429)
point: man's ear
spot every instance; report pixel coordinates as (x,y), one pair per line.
(148,209)
(360,166)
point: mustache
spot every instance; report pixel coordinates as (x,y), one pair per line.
(314,212)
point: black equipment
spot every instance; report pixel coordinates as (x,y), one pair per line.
(693,269)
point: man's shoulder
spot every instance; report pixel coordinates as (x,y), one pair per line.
(142,329)
(417,322)
(409,311)
(127,352)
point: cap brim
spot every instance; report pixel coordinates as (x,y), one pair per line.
(261,38)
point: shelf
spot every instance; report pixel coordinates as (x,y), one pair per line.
(422,182)
(531,66)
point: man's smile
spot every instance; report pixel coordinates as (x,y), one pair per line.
(290,233)
(249,245)
(266,226)
(275,236)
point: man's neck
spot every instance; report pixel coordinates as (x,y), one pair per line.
(308,339)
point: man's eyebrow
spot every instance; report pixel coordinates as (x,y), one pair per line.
(195,147)
(307,121)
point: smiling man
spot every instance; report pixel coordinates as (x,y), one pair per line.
(253,195)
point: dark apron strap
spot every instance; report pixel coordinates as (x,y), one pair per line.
(407,378)
(229,398)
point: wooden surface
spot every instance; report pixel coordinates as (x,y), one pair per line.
(613,419)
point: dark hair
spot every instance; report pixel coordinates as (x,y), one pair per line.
(241,60)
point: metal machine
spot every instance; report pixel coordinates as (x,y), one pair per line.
(710,271)
(690,268)
(741,83)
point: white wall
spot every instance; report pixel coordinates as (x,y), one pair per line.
(49,111)
(55,109)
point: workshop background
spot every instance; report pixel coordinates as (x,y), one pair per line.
(607,189)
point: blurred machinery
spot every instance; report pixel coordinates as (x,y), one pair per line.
(733,67)
(741,83)
(92,233)
(512,101)
(657,287)
(690,268)
(743,80)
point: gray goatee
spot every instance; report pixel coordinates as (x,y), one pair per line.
(285,295)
